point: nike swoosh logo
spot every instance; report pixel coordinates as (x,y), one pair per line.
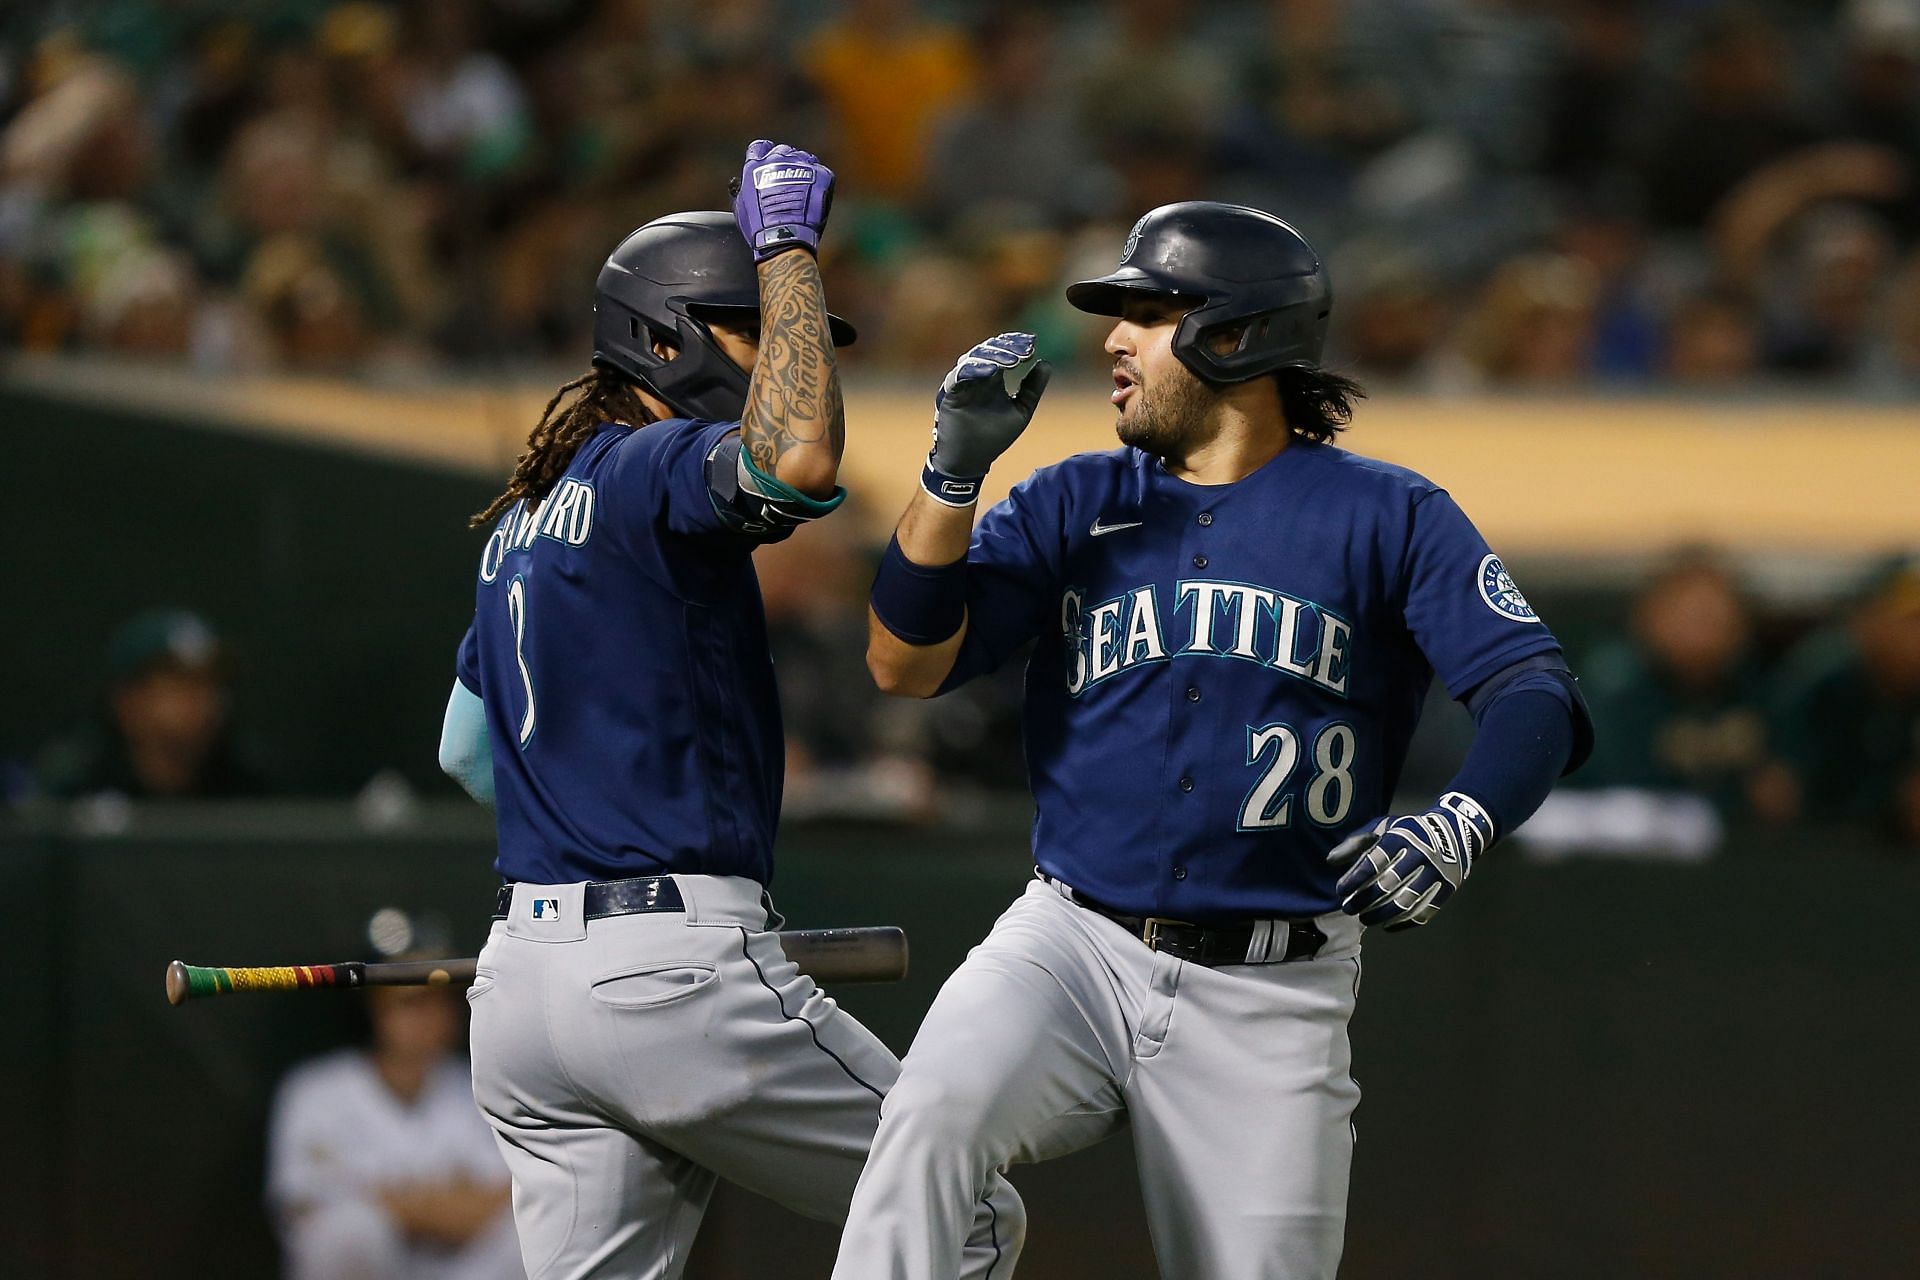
(1099,528)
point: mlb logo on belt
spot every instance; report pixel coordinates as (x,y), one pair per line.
(546,908)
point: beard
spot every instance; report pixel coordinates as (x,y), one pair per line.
(1172,418)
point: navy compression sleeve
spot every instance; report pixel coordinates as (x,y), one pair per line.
(1532,728)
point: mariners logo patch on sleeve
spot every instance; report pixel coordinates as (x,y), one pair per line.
(1497,589)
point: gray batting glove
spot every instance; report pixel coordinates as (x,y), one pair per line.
(1401,871)
(981,408)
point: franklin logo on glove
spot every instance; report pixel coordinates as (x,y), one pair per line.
(781,199)
(780,177)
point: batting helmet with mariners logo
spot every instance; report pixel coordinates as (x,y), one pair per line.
(667,281)
(1243,269)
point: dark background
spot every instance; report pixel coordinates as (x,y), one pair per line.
(323,570)
(1591,1070)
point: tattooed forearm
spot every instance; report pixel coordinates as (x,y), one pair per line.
(793,401)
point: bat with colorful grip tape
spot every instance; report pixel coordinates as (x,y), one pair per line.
(876,953)
(191,981)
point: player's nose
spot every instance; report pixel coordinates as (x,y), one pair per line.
(1120,340)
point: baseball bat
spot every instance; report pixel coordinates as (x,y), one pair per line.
(875,953)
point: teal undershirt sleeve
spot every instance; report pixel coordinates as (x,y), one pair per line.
(466,755)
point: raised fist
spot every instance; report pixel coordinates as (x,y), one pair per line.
(781,199)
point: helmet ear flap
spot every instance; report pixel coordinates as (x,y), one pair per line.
(1245,334)
(697,380)
(1194,344)
(654,336)
(1261,343)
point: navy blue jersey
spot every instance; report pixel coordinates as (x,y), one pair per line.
(620,648)
(1227,677)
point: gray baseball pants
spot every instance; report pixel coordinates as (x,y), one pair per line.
(628,1063)
(1062,1027)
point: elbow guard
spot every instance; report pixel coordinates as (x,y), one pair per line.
(755,503)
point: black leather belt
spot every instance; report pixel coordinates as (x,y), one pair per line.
(1206,944)
(613,897)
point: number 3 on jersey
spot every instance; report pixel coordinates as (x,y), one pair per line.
(1329,792)
(517,615)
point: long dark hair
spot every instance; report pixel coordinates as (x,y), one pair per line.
(1318,404)
(603,396)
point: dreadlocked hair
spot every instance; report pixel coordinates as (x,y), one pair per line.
(603,396)
(1317,403)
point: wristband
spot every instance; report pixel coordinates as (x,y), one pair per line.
(921,604)
(949,490)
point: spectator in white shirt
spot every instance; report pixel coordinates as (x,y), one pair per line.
(380,1166)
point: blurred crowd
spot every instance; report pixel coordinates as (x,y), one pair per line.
(1717,714)
(1707,694)
(1512,193)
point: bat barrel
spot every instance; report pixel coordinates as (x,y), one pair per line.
(416,973)
(872,954)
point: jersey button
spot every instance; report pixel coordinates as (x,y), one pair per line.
(1193,694)
(1206,518)
(1199,562)
(1179,873)
(1186,784)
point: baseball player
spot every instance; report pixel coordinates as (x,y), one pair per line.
(638,1031)
(1236,623)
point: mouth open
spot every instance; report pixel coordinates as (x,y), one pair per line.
(1123,386)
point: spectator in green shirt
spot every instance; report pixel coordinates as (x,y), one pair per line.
(1846,712)
(162,732)
(1678,704)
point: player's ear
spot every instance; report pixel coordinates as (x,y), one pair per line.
(664,349)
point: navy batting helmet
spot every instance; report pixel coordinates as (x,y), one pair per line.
(1242,268)
(668,280)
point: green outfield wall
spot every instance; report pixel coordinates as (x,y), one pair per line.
(341,581)
(1605,1070)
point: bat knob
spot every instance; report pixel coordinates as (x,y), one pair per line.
(177,988)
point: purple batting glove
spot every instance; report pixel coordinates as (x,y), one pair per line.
(781,199)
